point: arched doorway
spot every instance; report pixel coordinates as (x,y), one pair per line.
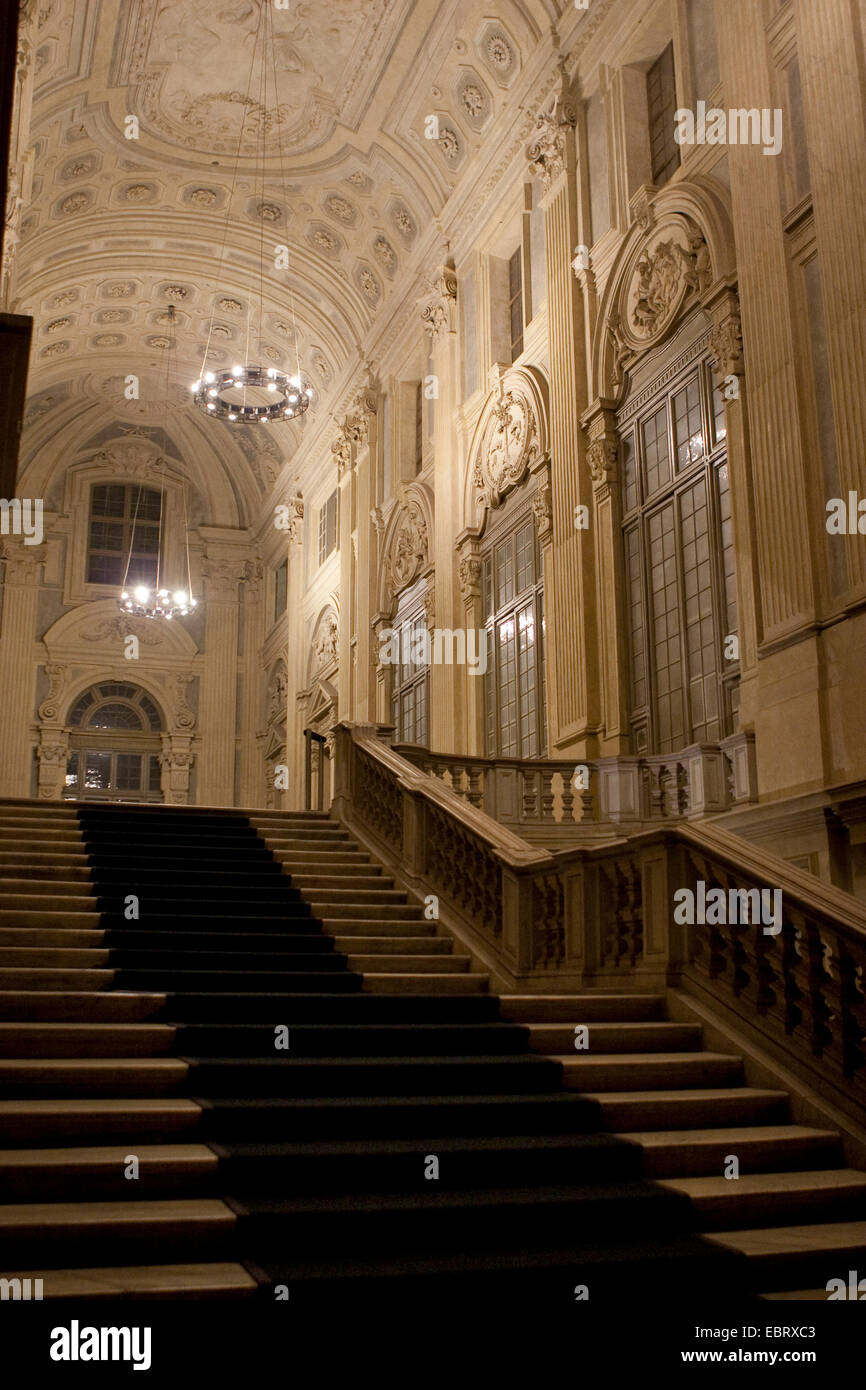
(114,745)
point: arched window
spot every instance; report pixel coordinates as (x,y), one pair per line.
(679,564)
(512,596)
(114,745)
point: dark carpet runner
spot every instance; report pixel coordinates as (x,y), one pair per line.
(323,1147)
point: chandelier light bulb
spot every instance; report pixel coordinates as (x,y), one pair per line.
(210,376)
(237,371)
(142,594)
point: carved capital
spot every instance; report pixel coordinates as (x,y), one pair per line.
(546,153)
(602,449)
(342,447)
(22,563)
(430,604)
(469,574)
(439,310)
(542,510)
(726,343)
(296,518)
(223,575)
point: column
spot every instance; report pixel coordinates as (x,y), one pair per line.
(223,571)
(572,637)
(367,414)
(447,683)
(831,44)
(17,636)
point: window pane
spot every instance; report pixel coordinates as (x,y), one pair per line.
(128,772)
(72,770)
(506,681)
(525,557)
(629,472)
(504,558)
(154,783)
(664,600)
(657,464)
(526,682)
(688,429)
(97,771)
(281,582)
(720,428)
(115,717)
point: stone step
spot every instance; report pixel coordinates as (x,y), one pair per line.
(44,886)
(388,944)
(32,1040)
(29,1122)
(50,1229)
(420,930)
(176,1281)
(581,1008)
(61,1006)
(689,1109)
(17,978)
(397,964)
(674,1070)
(41,938)
(378,983)
(55,1174)
(106,1076)
(360,911)
(52,958)
(40,877)
(760,1198)
(52,900)
(605,1038)
(46,918)
(347,887)
(761,1148)
(779,1254)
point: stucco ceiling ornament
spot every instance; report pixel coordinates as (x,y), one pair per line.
(408,551)
(509,446)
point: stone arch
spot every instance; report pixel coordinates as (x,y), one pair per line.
(511,440)
(679,253)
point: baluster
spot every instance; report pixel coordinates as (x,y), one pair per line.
(530,796)
(566,773)
(474,795)
(546,795)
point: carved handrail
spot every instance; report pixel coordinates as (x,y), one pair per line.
(544,795)
(610,914)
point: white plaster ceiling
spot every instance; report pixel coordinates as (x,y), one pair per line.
(116,230)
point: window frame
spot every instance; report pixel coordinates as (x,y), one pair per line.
(637,520)
(531,596)
(142,564)
(328,526)
(661,104)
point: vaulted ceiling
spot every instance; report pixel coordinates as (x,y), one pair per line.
(117,229)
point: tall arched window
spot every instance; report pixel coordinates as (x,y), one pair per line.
(512,596)
(114,745)
(679,564)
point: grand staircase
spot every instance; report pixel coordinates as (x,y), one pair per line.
(237,1062)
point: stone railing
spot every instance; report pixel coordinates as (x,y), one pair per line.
(545,800)
(608,915)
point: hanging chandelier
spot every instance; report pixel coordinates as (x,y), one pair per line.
(156,601)
(250,393)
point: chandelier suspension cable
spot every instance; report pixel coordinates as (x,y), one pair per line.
(231,199)
(281,396)
(284,190)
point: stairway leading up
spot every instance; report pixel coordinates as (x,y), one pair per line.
(248,1013)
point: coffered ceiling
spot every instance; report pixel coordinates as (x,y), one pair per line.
(117,229)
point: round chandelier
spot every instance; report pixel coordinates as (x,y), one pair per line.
(143,602)
(139,598)
(252,395)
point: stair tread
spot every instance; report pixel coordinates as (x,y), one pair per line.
(773,1241)
(730,1189)
(86,1215)
(150,1281)
(102,1156)
(752,1134)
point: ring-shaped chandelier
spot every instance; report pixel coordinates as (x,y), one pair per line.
(291,395)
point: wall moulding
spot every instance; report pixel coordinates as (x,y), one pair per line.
(678,248)
(510,441)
